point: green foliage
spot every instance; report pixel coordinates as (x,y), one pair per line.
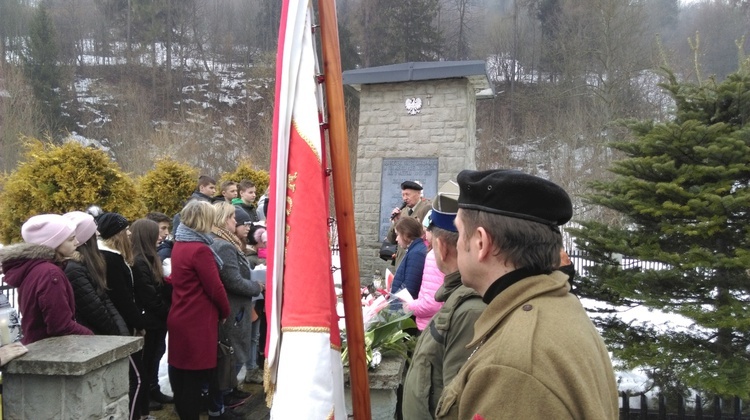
(245,170)
(166,187)
(402,31)
(59,179)
(386,335)
(684,194)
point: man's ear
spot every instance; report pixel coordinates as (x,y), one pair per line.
(483,242)
(441,249)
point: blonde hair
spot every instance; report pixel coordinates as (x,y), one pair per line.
(223,211)
(198,215)
(121,243)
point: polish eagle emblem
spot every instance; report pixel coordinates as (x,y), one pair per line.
(413,105)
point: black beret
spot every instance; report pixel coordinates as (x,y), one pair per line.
(514,194)
(410,185)
(110,224)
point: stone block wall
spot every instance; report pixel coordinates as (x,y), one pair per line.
(71,377)
(384,382)
(444,129)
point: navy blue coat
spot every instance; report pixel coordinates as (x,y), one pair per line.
(409,272)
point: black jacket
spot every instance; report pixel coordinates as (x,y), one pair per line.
(154,298)
(121,290)
(93,310)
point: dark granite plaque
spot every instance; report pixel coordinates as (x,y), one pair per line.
(398,170)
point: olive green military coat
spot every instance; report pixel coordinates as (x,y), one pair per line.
(537,355)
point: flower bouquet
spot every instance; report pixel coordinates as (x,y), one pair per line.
(384,329)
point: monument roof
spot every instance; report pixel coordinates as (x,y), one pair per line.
(474,70)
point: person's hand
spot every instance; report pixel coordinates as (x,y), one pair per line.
(11,351)
(223,321)
(396,213)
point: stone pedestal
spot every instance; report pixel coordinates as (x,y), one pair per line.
(384,382)
(71,377)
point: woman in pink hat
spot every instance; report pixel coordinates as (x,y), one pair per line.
(87,273)
(45,297)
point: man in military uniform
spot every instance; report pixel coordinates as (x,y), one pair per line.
(414,206)
(441,349)
(536,354)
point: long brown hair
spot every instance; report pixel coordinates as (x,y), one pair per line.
(143,234)
(94,262)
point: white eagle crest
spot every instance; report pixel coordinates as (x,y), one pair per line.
(413,105)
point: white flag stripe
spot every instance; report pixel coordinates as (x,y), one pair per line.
(285,100)
(305,387)
(306,371)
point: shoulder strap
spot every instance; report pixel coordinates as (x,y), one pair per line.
(441,322)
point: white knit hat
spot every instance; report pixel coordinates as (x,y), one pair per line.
(47,229)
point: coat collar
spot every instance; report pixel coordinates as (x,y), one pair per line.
(451,282)
(104,247)
(26,251)
(422,202)
(18,260)
(514,296)
(507,280)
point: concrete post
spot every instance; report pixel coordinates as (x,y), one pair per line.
(70,377)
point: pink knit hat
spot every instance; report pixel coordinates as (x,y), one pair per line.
(47,229)
(260,235)
(85,225)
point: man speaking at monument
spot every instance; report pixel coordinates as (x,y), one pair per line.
(414,205)
(535,352)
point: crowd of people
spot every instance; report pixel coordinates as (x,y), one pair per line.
(481,268)
(500,336)
(94,272)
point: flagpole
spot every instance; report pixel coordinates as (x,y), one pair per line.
(342,190)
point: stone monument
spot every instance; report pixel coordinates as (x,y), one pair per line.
(417,121)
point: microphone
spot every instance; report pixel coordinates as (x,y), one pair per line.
(393,216)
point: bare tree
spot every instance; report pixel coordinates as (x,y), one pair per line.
(19,117)
(457,18)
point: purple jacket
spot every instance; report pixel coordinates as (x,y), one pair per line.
(426,306)
(45,297)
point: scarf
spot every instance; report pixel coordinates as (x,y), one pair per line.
(185,234)
(228,236)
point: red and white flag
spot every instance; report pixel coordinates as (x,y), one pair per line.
(304,374)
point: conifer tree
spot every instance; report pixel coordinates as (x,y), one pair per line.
(401,31)
(42,69)
(683,191)
(59,179)
(166,187)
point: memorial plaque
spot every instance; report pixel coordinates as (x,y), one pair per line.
(394,172)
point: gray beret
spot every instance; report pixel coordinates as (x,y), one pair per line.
(445,207)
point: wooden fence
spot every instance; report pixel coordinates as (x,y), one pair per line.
(697,409)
